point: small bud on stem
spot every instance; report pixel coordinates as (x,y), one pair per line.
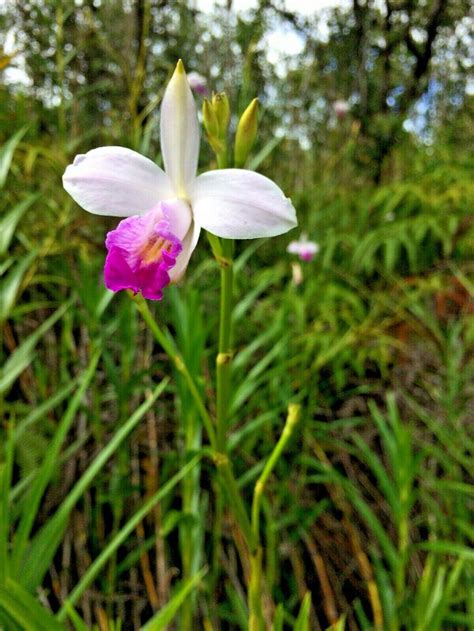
(246,134)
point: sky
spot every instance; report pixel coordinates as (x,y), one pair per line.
(279,42)
(282,41)
(305,7)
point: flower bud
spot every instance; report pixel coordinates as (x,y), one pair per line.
(246,134)
(209,119)
(212,127)
(220,104)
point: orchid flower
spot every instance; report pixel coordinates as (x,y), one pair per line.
(303,248)
(198,83)
(166,210)
(341,108)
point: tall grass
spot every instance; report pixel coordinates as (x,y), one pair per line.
(110,514)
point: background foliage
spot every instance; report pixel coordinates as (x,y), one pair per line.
(107,508)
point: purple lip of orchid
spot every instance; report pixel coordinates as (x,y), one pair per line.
(198,83)
(305,249)
(306,255)
(141,251)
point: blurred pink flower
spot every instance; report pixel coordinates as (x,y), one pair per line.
(303,248)
(198,83)
(341,108)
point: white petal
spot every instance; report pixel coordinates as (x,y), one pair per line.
(116,181)
(297,247)
(178,213)
(294,247)
(241,204)
(189,243)
(179,132)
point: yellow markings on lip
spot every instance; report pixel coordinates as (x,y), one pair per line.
(153,249)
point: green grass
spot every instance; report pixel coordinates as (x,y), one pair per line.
(111,512)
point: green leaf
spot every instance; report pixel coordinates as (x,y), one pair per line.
(5,483)
(302,621)
(11,284)
(340,625)
(167,613)
(10,221)
(48,466)
(278,620)
(39,412)
(94,569)
(74,617)
(25,610)
(46,542)
(23,354)
(6,154)
(448,547)
(263,154)
(447,595)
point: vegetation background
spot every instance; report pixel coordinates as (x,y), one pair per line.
(367,517)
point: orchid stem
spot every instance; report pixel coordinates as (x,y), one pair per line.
(255,589)
(223,383)
(224,356)
(235,499)
(169,347)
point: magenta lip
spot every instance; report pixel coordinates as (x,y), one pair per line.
(306,256)
(128,264)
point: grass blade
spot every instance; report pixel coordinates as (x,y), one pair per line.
(10,221)
(5,483)
(45,544)
(6,154)
(161,619)
(49,464)
(302,621)
(24,609)
(122,535)
(11,284)
(23,354)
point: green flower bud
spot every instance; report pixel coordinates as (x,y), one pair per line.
(220,104)
(210,119)
(246,134)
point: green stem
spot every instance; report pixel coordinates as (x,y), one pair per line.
(256,620)
(223,387)
(216,535)
(235,499)
(222,158)
(224,356)
(291,420)
(169,348)
(189,529)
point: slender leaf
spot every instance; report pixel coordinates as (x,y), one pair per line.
(6,154)
(25,610)
(161,619)
(302,621)
(46,542)
(49,464)
(122,535)
(9,222)
(23,354)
